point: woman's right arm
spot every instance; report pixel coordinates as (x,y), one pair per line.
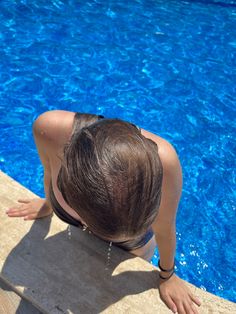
(43,147)
(37,207)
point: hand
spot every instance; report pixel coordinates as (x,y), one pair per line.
(30,209)
(177,296)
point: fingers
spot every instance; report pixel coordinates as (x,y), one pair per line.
(171,305)
(14,209)
(195,300)
(190,308)
(21,213)
(178,297)
(191,305)
(25,201)
(18,208)
(29,217)
(194,309)
(181,308)
(185,307)
(29,209)
(16,213)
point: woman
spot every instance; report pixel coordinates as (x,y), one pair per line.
(121,182)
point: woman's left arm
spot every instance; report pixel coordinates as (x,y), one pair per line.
(173,290)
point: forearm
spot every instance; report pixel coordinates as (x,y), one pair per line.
(172,289)
(47,179)
(166,242)
(41,146)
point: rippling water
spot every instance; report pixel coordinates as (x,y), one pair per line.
(168,66)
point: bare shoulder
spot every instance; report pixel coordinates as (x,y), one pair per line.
(54,126)
(171,185)
(167,152)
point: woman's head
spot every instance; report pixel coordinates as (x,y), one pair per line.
(112,175)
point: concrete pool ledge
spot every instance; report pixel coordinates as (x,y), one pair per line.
(59,273)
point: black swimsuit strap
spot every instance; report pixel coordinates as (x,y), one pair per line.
(60,212)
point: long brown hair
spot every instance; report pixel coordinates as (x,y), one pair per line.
(112,176)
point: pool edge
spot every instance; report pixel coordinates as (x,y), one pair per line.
(130,286)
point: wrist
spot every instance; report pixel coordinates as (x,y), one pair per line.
(165,269)
(166,276)
(165,273)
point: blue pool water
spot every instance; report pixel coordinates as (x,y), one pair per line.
(169,67)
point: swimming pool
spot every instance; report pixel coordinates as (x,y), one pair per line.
(169,67)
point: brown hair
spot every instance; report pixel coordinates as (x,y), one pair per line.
(112,176)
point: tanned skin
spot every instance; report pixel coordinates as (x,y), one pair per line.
(51,131)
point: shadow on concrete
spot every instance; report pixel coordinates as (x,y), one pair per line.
(67,275)
(9,303)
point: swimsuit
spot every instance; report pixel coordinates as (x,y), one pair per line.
(66,217)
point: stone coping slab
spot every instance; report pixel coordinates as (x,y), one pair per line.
(11,303)
(62,273)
